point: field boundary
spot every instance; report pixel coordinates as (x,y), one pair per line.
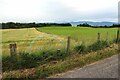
(111,51)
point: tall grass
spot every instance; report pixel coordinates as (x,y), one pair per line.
(26,60)
(82,48)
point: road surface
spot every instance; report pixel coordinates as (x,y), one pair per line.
(107,68)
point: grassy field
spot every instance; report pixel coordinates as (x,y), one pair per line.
(86,35)
(27,40)
(32,40)
(43,64)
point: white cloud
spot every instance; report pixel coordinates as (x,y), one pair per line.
(58,10)
(90,5)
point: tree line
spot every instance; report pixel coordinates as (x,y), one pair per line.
(84,25)
(105,26)
(12,25)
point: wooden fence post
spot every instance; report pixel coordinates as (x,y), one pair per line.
(13,50)
(117,39)
(107,36)
(98,36)
(68,45)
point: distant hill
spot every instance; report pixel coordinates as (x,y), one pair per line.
(94,23)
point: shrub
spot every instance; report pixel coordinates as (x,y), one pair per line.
(26,60)
(93,47)
(98,45)
(54,55)
(81,48)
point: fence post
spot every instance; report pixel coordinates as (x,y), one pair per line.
(107,36)
(68,45)
(98,36)
(13,50)
(117,39)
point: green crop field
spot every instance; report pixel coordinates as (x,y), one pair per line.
(81,34)
(32,40)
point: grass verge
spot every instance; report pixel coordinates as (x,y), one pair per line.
(62,65)
(42,57)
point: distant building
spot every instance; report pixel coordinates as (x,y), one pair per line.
(74,25)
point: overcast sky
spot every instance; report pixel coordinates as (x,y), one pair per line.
(58,10)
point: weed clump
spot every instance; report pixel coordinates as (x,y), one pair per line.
(26,60)
(98,45)
(81,48)
(93,47)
